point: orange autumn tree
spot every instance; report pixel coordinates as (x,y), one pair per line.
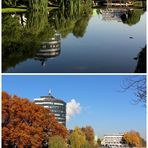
(27,124)
(133,138)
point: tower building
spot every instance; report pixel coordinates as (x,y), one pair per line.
(57,106)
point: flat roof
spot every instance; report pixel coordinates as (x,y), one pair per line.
(48,99)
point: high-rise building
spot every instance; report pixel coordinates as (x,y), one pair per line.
(57,106)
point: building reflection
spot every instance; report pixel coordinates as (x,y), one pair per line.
(49,49)
(114,14)
(115,3)
(118,3)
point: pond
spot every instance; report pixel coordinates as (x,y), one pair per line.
(102,40)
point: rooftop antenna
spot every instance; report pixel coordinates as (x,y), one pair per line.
(49,92)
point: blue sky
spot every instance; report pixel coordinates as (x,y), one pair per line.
(103,105)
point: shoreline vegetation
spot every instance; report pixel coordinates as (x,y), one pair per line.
(11,10)
(23,9)
(47,5)
(14,10)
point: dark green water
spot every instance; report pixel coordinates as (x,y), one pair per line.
(92,40)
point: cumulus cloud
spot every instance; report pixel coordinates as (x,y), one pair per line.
(72,108)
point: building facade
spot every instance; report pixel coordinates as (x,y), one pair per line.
(114,141)
(57,107)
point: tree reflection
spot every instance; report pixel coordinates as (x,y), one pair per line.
(141,63)
(22,42)
(132,17)
(37,24)
(23,34)
(80,26)
(71,20)
(15,47)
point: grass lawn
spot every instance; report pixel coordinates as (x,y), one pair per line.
(21,8)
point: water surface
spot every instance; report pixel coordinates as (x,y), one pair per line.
(103,40)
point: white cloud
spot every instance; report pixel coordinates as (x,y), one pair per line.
(72,108)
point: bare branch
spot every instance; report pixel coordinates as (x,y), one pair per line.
(138,85)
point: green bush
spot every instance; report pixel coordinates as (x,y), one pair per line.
(56,142)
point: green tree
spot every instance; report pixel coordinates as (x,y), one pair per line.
(38,5)
(133,17)
(87,145)
(77,138)
(9,3)
(80,26)
(22,42)
(99,142)
(56,142)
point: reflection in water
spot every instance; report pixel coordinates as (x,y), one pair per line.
(126,15)
(49,49)
(23,34)
(31,36)
(141,64)
(118,2)
(132,17)
(109,14)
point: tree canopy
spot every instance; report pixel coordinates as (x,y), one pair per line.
(89,133)
(133,17)
(57,142)
(133,139)
(77,138)
(25,123)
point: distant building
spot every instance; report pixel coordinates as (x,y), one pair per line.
(57,106)
(95,139)
(114,140)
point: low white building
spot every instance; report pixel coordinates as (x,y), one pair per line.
(114,140)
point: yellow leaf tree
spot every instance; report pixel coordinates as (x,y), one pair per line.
(133,138)
(77,138)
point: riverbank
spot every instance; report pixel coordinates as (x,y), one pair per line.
(22,9)
(13,10)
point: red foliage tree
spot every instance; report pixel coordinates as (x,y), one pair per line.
(25,123)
